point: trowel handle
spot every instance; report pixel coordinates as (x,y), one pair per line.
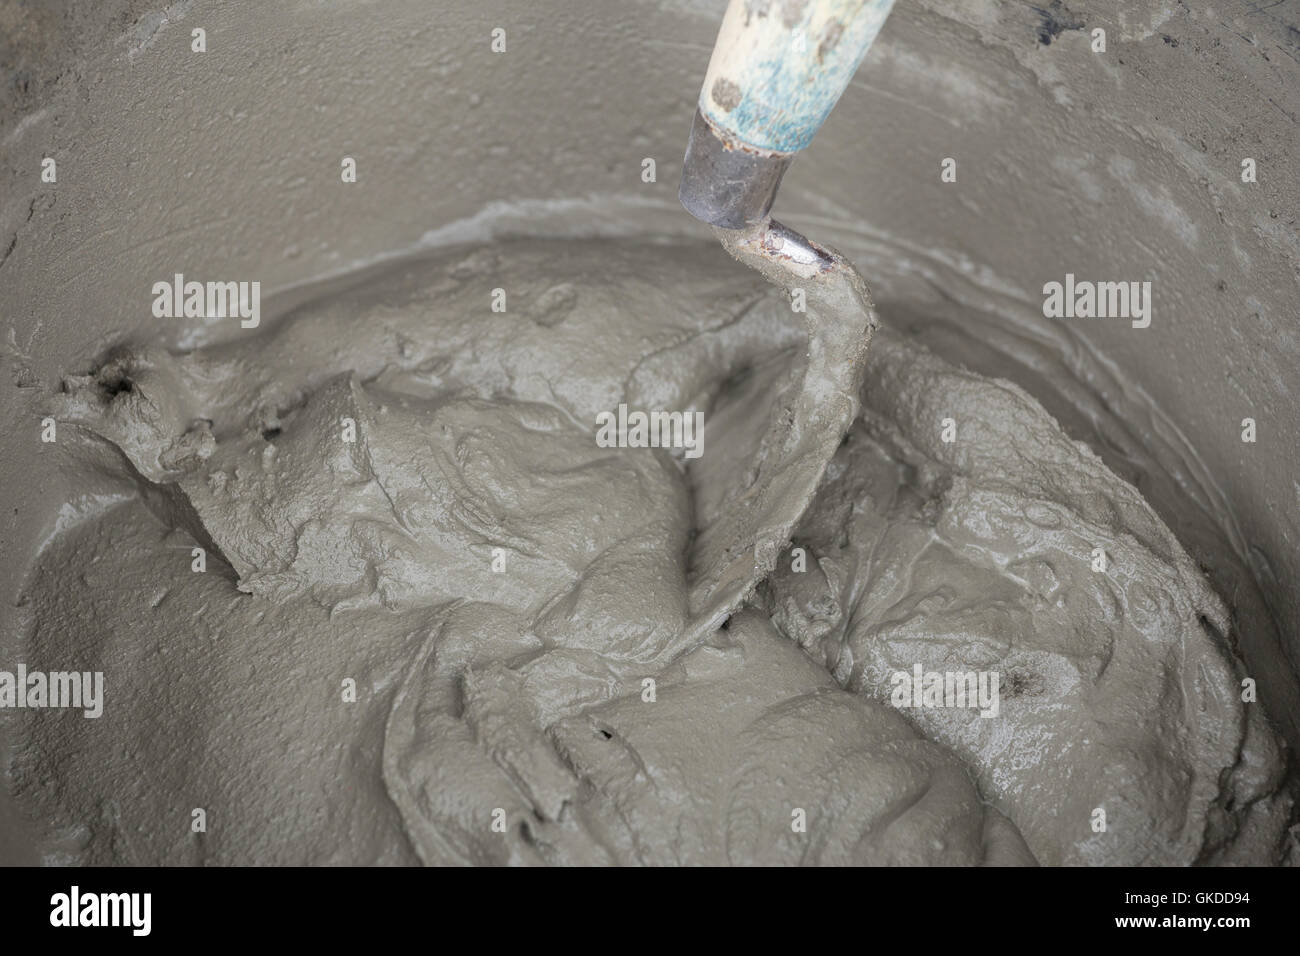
(779,66)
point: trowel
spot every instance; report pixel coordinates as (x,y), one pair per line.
(778,68)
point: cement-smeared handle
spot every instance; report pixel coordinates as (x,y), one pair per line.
(779,67)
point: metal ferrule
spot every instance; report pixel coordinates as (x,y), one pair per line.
(727,184)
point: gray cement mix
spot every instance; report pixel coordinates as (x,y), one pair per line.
(400,488)
(335,565)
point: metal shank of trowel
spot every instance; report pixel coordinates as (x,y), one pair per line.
(778,68)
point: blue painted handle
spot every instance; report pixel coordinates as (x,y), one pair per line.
(779,67)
